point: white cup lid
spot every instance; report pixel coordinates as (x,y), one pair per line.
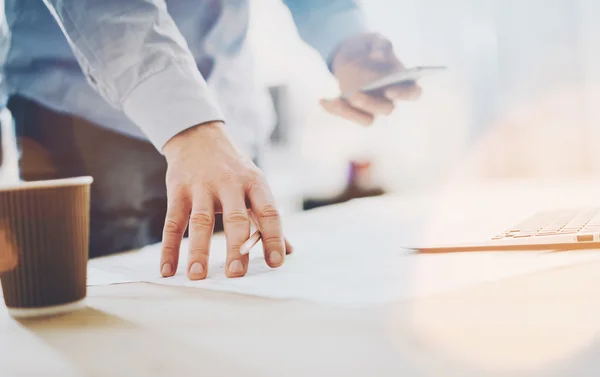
(51,183)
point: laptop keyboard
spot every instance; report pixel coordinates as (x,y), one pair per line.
(556,222)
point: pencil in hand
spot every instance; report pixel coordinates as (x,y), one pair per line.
(252,241)
(256,236)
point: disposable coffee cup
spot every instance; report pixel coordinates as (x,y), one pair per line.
(45,225)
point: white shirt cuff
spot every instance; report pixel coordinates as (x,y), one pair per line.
(171,101)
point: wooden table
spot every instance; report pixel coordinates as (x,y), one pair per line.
(544,324)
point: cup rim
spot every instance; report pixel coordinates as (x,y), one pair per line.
(50,183)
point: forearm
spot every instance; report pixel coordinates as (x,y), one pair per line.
(134,56)
(325,24)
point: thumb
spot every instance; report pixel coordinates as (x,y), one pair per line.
(330,105)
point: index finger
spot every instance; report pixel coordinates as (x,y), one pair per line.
(371,104)
(267,216)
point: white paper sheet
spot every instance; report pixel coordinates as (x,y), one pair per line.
(354,264)
(104,276)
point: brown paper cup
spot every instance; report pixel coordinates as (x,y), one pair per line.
(45,226)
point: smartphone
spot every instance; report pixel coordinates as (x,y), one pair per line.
(403,77)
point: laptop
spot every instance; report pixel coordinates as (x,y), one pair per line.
(560,229)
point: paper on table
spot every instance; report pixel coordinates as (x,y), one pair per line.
(354,264)
(103,276)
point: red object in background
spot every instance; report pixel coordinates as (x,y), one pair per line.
(359,185)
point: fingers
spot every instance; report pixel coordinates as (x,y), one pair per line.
(403,92)
(202,223)
(178,211)
(269,222)
(362,108)
(343,109)
(236,223)
(371,104)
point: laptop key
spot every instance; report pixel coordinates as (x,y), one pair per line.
(524,235)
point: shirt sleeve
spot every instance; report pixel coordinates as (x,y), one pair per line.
(325,24)
(134,56)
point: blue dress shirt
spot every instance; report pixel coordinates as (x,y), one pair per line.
(132,65)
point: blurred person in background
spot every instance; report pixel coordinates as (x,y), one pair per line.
(131,92)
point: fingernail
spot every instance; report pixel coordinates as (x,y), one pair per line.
(167,269)
(236,267)
(197,269)
(275,257)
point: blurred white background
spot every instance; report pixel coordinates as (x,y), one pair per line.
(521,98)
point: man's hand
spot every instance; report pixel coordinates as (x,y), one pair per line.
(207,175)
(359,61)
